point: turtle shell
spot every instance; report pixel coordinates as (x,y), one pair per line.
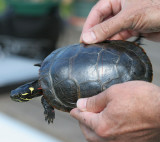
(79,71)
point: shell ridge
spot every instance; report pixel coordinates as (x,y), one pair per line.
(69,77)
(134,48)
(71,61)
(50,77)
(144,61)
(70,72)
(98,58)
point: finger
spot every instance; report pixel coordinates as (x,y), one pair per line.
(106,29)
(102,10)
(89,134)
(94,104)
(124,35)
(87,118)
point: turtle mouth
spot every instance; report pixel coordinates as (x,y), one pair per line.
(15,96)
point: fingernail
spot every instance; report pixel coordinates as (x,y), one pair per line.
(89,37)
(80,40)
(81,104)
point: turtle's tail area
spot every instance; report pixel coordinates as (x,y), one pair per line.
(138,40)
(26,92)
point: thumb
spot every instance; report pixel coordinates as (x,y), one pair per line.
(104,30)
(93,104)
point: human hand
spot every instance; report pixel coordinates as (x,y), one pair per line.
(122,19)
(127,112)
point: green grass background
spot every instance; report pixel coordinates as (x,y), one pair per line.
(2,5)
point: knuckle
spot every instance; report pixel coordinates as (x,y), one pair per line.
(99,14)
(105,132)
(99,132)
(102,131)
(90,104)
(132,19)
(104,28)
(93,124)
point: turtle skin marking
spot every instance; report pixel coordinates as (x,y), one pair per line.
(26,92)
(80,71)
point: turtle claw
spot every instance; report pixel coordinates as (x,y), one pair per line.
(49,116)
(48,111)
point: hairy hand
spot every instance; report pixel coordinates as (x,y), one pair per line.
(127,112)
(121,19)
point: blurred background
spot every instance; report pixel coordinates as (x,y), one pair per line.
(29,31)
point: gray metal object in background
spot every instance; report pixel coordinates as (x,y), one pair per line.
(29,31)
(30,28)
(153,50)
(15,70)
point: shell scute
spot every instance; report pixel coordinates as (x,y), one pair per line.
(107,66)
(95,88)
(67,90)
(60,70)
(87,61)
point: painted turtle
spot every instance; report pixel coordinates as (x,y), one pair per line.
(80,70)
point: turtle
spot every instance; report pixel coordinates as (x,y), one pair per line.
(81,70)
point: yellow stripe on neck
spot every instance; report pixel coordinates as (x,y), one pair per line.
(25,94)
(25,99)
(31,89)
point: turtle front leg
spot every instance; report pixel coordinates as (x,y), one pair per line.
(48,111)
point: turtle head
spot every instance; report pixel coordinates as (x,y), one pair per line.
(26,92)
